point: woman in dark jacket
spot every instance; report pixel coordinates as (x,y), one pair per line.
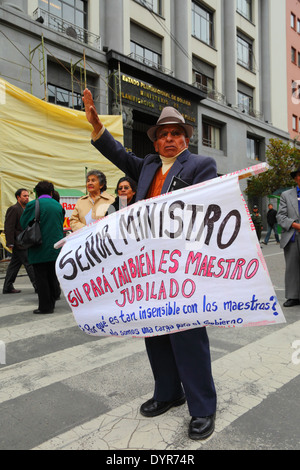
(125,191)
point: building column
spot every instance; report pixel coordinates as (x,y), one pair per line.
(265,61)
(20,5)
(230,58)
(182,14)
(114,28)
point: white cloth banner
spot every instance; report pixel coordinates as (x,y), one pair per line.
(183,260)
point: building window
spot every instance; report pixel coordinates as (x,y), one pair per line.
(68,17)
(62,97)
(244,7)
(146,56)
(245,98)
(153,5)
(253,148)
(245,103)
(202,24)
(293,55)
(146,47)
(293,21)
(72,11)
(298,59)
(203,75)
(298,26)
(294,90)
(245,51)
(211,134)
(203,82)
(294,123)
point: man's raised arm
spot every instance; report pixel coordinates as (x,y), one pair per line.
(91,112)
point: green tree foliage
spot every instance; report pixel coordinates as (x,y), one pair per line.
(282,158)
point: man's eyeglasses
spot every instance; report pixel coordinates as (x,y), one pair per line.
(174,133)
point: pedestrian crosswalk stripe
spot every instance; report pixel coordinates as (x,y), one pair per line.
(244,378)
(33,374)
(48,324)
(20,309)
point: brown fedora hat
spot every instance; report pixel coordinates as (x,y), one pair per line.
(293,174)
(170,115)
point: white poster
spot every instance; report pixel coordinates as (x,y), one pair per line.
(183,260)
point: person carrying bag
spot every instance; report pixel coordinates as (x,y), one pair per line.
(32,235)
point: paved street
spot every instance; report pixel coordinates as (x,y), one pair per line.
(61,389)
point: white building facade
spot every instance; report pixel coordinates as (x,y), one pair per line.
(220,62)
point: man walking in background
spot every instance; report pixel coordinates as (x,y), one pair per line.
(257,221)
(12,228)
(288,217)
(272,224)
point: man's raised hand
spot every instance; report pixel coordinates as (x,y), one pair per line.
(90,111)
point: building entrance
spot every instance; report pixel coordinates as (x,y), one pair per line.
(141,144)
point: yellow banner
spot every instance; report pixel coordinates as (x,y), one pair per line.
(40,140)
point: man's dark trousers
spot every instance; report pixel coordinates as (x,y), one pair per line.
(188,353)
(46,283)
(19,258)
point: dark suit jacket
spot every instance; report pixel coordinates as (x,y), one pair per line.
(189,167)
(12,226)
(288,213)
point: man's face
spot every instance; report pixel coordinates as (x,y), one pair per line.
(23,199)
(297,179)
(170,140)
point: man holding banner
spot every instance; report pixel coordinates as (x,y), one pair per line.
(180,362)
(288,217)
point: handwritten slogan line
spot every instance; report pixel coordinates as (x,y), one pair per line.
(178,261)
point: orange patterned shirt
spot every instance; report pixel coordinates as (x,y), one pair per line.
(157,183)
